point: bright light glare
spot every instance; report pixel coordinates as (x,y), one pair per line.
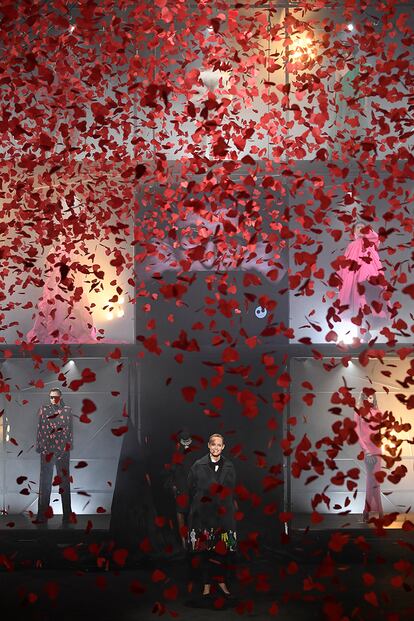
(346,332)
(302,48)
(350,27)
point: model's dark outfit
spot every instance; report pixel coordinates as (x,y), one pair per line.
(177,482)
(54,442)
(211,518)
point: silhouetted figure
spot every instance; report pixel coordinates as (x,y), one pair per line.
(177,481)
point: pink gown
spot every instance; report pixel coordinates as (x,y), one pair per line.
(63,314)
(367,424)
(363,266)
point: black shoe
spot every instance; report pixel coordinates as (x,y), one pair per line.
(201,601)
(223,593)
(40,522)
(206,600)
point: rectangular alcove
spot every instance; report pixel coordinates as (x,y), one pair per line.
(96,435)
(314,415)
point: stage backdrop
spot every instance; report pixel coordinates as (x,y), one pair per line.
(204,396)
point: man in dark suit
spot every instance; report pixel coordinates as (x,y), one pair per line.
(54,442)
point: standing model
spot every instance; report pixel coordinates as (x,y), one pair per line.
(54,443)
(211,522)
(368,420)
(363,283)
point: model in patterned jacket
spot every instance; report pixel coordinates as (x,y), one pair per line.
(54,442)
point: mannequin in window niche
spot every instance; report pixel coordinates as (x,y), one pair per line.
(63,313)
(54,442)
(369,419)
(363,285)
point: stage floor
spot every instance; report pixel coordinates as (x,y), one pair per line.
(84,522)
(352,522)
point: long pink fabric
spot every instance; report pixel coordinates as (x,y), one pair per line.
(63,314)
(363,264)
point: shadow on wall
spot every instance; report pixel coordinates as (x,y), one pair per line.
(133,514)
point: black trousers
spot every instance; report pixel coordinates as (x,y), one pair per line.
(45,484)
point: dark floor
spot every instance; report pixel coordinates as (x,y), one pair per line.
(107,596)
(341,575)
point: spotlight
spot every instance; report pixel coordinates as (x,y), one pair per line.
(302,49)
(117,309)
(350,27)
(346,332)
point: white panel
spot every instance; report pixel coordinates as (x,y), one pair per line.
(316,422)
(94,442)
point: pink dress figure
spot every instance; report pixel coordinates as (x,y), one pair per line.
(363,282)
(368,421)
(63,314)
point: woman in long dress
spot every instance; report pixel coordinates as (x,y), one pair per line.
(63,311)
(368,419)
(362,280)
